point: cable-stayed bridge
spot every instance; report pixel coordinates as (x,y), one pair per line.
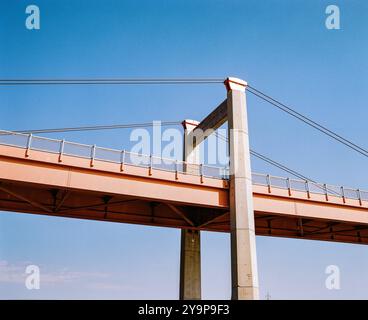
(67,179)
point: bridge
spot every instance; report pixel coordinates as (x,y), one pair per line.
(52,177)
(60,178)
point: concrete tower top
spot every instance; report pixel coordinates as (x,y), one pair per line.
(232,83)
(188,123)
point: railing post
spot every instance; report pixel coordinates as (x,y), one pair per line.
(122,160)
(288,186)
(201,172)
(150,166)
(29,143)
(268,179)
(307,188)
(176,170)
(93,153)
(326,192)
(343,195)
(359,196)
(61,151)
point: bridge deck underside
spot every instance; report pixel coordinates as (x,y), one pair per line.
(43,183)
(28,198)
(272,221)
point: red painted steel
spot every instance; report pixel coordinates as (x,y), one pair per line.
(42,184)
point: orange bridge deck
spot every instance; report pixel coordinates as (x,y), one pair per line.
(59,184)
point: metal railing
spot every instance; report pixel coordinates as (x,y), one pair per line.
(309,187)
(92,152)
(123,157)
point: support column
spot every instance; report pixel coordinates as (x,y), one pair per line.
(190,250)
(244,275)
(190,265)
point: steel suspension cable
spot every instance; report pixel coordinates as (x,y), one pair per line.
(101,127)
(109,81)
(308,121)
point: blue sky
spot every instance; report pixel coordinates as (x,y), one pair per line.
(281,47)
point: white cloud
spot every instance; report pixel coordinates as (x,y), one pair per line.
(63,283)
(15,273)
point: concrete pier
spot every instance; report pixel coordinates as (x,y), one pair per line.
(190,251)
(244,273)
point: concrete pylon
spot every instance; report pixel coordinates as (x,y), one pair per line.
(190,251)
(244,272)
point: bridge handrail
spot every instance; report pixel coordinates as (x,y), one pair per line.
(63,147)
(28,141)
(308,187)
